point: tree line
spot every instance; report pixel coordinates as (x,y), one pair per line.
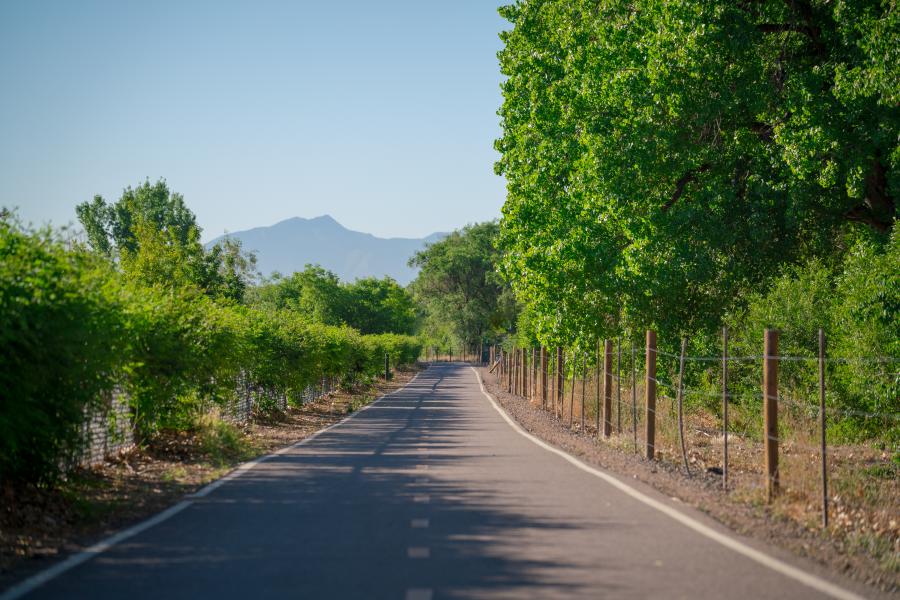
(684,166)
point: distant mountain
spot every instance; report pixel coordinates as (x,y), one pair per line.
(290,245)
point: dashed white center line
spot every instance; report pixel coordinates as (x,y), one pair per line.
(419,523)
(418,552)
(424,498)
(418,594)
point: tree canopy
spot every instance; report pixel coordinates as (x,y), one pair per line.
(370,305)
(463,295)
(664,158)
(156,239)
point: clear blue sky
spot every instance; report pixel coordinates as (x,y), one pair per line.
(382,114)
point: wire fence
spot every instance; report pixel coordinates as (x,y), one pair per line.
(107,429)
(713,427)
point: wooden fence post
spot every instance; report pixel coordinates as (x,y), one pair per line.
(650,392)
(572,394)
(634,397)
(598,383)
(517,371)
(770,411)
(619,385)
(524,373)
(823,428)
(558,392)
(543,376)
(680,400)
(387,367)
(583,387)
(607,388)
(725,408)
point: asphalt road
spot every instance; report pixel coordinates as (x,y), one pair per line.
(428,493)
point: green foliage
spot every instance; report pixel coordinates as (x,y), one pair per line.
(857,304)
(380,306)
(663,159)
(156,238)
(60,345)
(464,298)
(73,326)
(681,165)
(369,305)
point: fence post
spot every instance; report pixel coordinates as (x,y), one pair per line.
(687,469)
(512,371)
(619,385)
(725,408)
(583,386)
(519,358)
(650,392)
(822,425)
(607,388)
(572,394)
(543,378)
(387,367)
(770,411)
(633,397)
(523,384)
(598,383)
(559,384)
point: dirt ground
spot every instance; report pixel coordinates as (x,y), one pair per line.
(837,548)
(40,525)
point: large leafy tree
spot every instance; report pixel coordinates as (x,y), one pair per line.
(156,239)
(664,157)
(459,286)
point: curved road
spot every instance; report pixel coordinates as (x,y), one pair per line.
(428,493)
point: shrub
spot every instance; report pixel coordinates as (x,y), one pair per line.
(61,344)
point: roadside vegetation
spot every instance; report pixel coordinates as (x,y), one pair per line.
(465,302)
(145,308)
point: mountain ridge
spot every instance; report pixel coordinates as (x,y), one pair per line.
(289,245)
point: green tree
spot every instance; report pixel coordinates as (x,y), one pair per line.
(663,158)
(114,227)
(460,289)
(156,239)
(313,292)
(380,306)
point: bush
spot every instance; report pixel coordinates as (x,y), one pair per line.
(62,340)
(858,305)
(72,327)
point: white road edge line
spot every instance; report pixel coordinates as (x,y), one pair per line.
(808,579)
(35,581)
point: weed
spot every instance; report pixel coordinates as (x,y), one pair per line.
(221,442)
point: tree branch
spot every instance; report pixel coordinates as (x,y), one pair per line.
(685,179)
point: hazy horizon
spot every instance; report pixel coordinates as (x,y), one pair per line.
(382,116)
